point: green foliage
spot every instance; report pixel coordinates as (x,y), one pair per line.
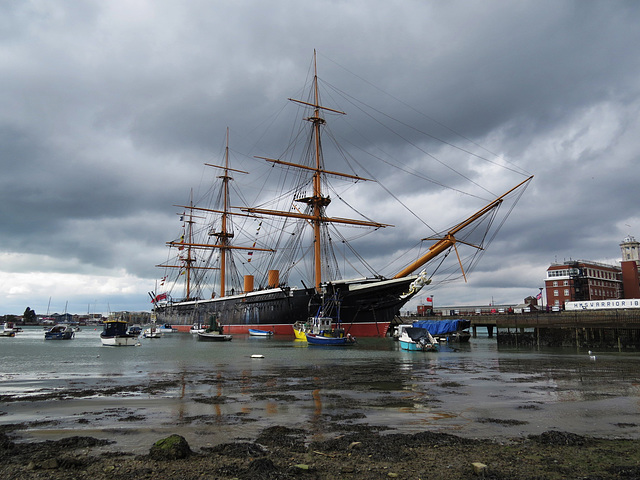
(30,316)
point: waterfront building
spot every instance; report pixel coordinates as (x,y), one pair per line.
(630,249)
(581,280)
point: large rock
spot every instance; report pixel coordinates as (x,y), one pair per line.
(170,448)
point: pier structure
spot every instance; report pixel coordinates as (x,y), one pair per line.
(615,329)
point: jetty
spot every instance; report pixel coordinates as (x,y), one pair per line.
(615,329)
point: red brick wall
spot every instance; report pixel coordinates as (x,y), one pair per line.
(630,280)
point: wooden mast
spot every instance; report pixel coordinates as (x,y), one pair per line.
(224,235)
(449,239)
(188,263)
(317,201)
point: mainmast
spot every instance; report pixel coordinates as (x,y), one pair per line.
(317,201)
(224,235)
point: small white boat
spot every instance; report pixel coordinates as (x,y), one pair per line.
(260,333)
(9,330)
(151,332)
(214,332)
(166,328)
(214,336)
(195,328)
(417,339)
(115,334)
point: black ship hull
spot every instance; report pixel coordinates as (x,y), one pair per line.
(366,308)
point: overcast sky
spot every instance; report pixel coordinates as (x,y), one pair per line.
(110,109)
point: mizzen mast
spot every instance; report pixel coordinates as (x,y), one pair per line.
(186,241)
(223,236)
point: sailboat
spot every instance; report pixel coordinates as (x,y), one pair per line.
(367,304)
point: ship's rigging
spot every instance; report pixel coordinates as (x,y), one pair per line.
(208,247)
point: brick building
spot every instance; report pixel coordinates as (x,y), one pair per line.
(580,280)
(630,249)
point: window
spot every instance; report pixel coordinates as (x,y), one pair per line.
(566,292)
(555,293)
(555,284)
(566,283)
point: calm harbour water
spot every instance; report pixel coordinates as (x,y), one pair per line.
(215,392)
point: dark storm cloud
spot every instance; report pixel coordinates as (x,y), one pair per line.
(111,108)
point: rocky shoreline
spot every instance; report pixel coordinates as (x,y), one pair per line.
(284,453)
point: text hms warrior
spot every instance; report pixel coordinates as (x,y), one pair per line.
(603,304)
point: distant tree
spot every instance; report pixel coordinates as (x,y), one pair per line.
(29,316)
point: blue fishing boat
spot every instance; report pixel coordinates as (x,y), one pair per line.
(260,333)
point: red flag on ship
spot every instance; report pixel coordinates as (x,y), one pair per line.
(162,296)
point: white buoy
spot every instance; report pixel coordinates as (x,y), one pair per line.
(257,356)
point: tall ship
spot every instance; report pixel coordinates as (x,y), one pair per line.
(235,263)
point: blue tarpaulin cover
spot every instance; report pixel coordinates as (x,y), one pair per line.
(442,327)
